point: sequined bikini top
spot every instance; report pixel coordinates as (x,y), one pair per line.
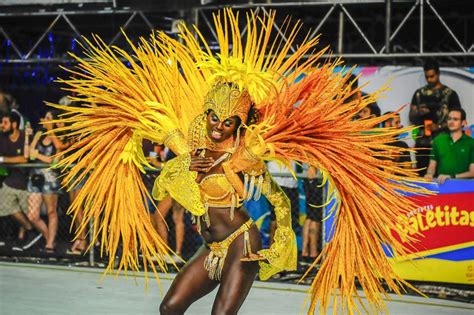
(218,192)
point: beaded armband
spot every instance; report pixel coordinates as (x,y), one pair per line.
(243,160)
(253,169)
(233,178)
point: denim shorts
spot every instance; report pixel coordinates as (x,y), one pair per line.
(43,181)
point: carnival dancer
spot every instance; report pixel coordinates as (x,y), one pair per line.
(224,114)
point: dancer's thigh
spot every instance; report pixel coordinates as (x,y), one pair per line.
(191,283)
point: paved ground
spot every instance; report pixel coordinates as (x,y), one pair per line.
(42,289)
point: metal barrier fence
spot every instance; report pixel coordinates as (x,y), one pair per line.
(42,210)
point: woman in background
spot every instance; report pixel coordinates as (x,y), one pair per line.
(43,185)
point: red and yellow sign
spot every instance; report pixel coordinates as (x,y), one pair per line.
(445,251)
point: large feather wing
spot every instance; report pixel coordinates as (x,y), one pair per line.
(123,99)
(313,122)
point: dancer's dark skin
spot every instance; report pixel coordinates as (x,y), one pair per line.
(192,282)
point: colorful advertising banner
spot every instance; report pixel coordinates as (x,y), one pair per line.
(445,223)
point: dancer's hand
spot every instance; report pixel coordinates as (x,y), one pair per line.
(254,257)
(254,141)
(200,163)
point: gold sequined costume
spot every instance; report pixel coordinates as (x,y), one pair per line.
(163,94)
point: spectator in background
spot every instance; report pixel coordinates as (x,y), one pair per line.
(452,155)
(164,206)
(157,157)
(3,175)
(61,143)
(15,107)
(4,109)
(289,184)
(14,145)
(394,122)
(25,124)
(429,109)
(43,185)
(9,104)
(353,81)
(154,155)
(6,106)
(370,110)
(312,223)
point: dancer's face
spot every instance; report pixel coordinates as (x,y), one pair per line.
(219,131)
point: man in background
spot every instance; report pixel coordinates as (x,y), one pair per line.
(14,194)
(371,110)
(429,110)
(452,155)
(404,157)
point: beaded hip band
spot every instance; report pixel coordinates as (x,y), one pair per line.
(214,262)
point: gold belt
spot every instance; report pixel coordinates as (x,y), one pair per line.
(214,262)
